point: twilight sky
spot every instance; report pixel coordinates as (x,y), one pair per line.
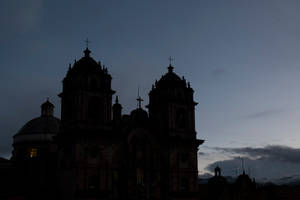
(242,58)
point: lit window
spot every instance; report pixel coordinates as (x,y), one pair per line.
(33,153)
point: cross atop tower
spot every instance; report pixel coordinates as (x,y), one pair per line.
(87,51)
(87,43)
(139,99)
(170,60)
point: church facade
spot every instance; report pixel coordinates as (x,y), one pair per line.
(96,152)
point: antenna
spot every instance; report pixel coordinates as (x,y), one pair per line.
(243,167)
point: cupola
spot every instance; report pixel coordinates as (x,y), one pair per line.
(47,108)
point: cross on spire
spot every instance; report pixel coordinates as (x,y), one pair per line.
(170,68)
(170,60)
(139,99)
(87,51)
(87,42)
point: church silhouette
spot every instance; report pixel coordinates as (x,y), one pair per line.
(96,152)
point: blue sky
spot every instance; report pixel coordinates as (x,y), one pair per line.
(241,57)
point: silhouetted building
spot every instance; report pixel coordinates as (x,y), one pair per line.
(217,187)
(245,188)
(95,152)
(239,188)
(35,154)
(7,179)
(218,179)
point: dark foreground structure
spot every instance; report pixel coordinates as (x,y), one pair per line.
(245,188)
(95,152)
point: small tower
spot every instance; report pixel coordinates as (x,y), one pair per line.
(217,171)
(84,147)
(172,107)
(117,110)
(47,108)
(86,98)
(34,154)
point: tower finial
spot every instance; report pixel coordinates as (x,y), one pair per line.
(117,99)
(170,68)
(170,60)
(47,108)
(217,171)
(87,51)
(87,43)
(139,99)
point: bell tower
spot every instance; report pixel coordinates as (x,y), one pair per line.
(87,95)
(171,105)
(172,114)
(85,138)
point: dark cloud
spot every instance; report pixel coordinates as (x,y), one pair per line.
(202,153)
(264,113)
(270,162)
(271,152)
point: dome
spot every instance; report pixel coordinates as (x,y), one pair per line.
(86,65)
(170,76)
(217,180)
(170,80)
(243,178)
(244,183)
(41,125)
(139,117)
(170,88)
(87,74)
(41,128)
